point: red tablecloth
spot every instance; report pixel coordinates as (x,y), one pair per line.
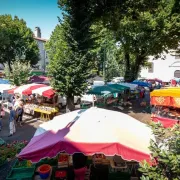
(166,122)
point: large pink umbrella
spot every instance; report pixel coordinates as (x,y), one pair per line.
(91,131)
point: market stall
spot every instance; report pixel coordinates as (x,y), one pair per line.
(107,94)
(40,100)
(131,141)
(3,90)
(25,89)
(39,80)
(167,106)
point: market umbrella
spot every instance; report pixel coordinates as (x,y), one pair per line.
(91,131)
(5,87)
(118,87)
(4,81)
(140,83)
(102,90)
(131,86)
(25,89)
(39,79)
(46,91)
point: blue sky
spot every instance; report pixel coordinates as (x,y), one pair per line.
(41,13)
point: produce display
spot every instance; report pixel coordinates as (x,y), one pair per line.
(9,151)
(29,108)
(63,160)
(23,164)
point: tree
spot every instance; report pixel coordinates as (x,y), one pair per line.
(15,34)
(74,59)
(67,66)
(144,32)
(165,155)
(19,73)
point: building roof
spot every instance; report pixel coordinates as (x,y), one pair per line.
(40,39)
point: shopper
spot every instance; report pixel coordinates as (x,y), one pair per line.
(20,112)
(12,117)
(2,113)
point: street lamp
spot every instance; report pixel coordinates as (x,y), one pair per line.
(20,53)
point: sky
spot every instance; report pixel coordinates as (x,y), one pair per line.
(36,13)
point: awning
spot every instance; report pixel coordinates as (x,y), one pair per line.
(118,87)
(102,90)
(131,86)
(39,79)
(166,97)
(169,92)
(26,89)
(5,87)
(46,91)
(91,131)
(143,84)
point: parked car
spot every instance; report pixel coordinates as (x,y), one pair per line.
(62,100)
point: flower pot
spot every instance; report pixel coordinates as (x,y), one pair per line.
(44,171)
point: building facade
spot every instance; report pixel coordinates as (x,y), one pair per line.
(43,62)
(165,70)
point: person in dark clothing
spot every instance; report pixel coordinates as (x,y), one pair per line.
(79,160)
(20,112)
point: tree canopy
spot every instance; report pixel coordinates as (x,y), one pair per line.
(19,74)
(15,34)
(142,27)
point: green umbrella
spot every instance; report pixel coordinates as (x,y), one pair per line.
(102,90)
(118,86)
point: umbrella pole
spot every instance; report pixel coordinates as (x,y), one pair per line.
(93,101)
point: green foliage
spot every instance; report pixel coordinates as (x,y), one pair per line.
(15,34)
(19,74)
(67,67)
(165,155)
(145,32)
(105,52)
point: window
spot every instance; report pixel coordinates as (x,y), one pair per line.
(151,67)
(177,73)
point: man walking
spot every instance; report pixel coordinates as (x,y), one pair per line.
(12,117)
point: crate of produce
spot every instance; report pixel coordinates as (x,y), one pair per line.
(63,160)
(23,164)
(21,174)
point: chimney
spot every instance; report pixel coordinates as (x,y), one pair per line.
(37,32)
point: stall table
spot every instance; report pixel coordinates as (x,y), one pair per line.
(46,113)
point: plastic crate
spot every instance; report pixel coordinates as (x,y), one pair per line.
(2,142)
(22,164)
(21,174)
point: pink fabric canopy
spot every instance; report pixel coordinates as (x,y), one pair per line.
(39,79)
(166,122)
(26,89)
(91,131)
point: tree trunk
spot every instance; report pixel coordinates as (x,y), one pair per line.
(127,67)
(9,64)
(70,103)
(136,67)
